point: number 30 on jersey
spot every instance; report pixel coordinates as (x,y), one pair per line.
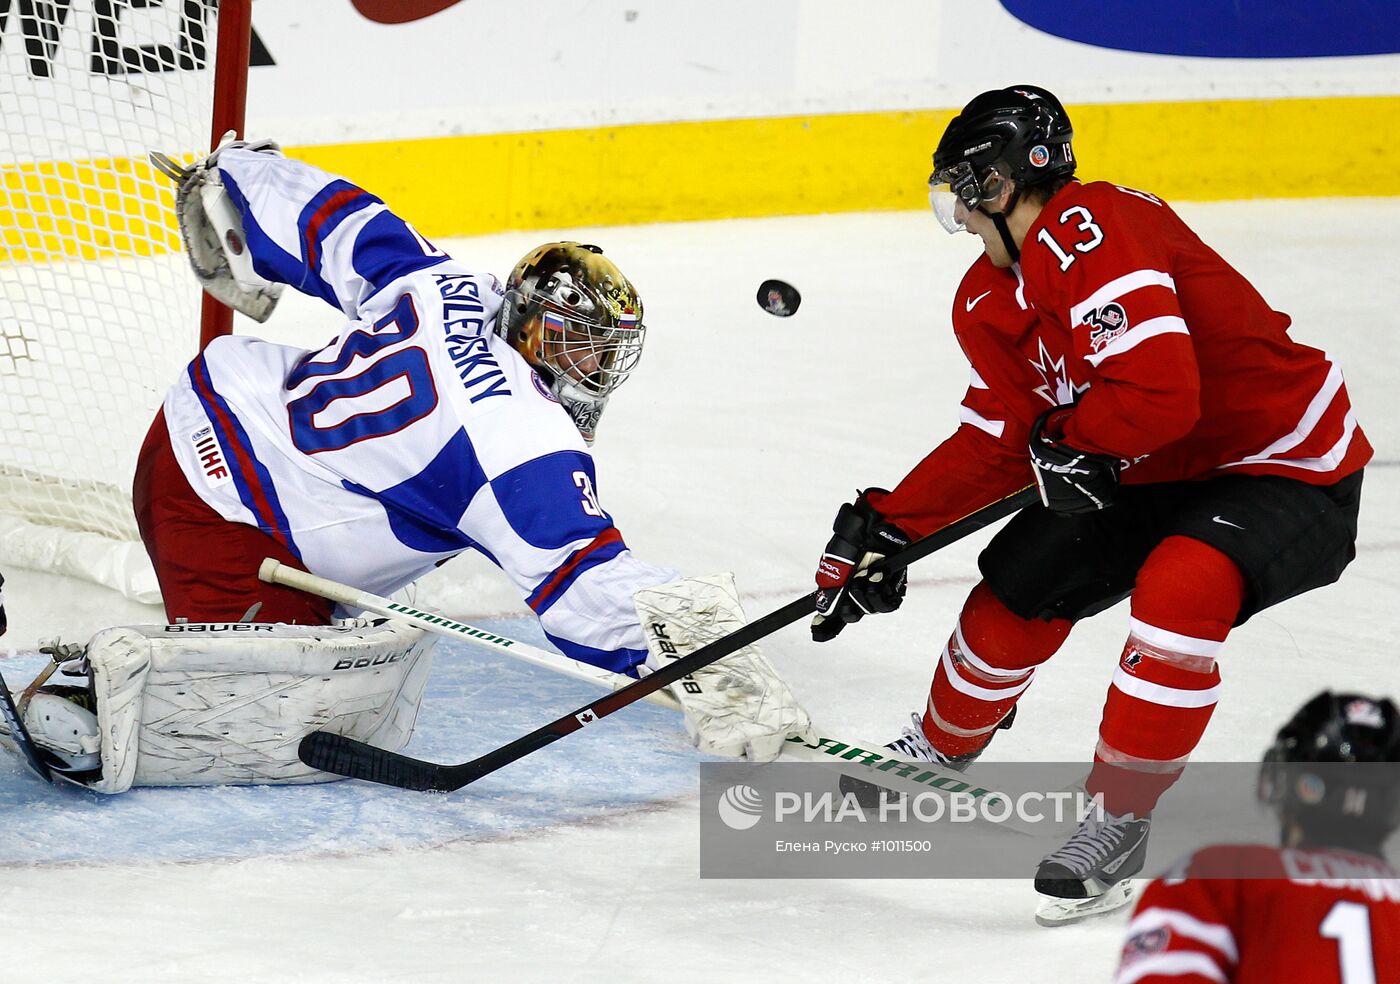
(589,498)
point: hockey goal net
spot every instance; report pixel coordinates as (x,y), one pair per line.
(98,310)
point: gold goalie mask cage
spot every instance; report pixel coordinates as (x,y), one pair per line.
(574,317)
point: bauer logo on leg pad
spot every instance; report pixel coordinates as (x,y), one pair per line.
(218,627)
(362,662)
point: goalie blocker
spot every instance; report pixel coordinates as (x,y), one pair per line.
(198,704)
(738,706)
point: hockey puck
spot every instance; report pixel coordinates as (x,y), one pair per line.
(779,298)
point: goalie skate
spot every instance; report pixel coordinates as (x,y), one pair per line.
(15,738)
(55,733)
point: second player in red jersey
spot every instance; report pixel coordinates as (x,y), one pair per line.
(1324,907)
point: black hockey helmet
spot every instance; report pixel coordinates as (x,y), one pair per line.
(1020,133)
(1334,770)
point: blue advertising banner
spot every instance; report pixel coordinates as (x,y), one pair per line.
(1221,28)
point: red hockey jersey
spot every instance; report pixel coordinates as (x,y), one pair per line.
(1245,914)
(1175,363)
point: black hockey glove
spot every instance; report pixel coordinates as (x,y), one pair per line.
(845,590)
(1070,480)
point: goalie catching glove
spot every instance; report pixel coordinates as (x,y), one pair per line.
(213,230)
(846,591)
(737,706)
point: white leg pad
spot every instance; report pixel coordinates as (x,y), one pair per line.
(738,706)
(227,703)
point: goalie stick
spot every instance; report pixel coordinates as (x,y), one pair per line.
(851,756)
(347,757)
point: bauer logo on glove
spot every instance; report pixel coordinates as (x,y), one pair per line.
(846,589)
(1070,480)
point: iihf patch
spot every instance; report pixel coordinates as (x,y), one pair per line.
(212,464)
(1039,155)
(1106,324)
(543,388)
(1147,943)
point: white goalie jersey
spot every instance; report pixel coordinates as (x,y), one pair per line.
(414,435)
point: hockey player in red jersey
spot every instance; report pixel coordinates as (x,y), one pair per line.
(1323,907)
(1188,452)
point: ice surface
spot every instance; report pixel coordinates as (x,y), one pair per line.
(729,450)
(475,702)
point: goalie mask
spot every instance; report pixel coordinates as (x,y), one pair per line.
(574,317)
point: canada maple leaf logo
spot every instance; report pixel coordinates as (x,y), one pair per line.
(1059,390)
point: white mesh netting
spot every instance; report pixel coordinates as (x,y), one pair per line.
(98,311)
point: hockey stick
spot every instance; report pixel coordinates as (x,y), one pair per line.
(347,757)
(854,757)
(274,572)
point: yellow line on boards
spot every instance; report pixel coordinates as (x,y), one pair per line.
(791,165)
(802,165)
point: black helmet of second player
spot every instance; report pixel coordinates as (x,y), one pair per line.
(1021,133)
(1333,771)
(572,314)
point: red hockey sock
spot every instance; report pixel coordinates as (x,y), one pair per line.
(1166,685)
(988,663)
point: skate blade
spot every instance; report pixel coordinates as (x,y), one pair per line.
(1064,912)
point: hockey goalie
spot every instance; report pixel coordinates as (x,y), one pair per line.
(452,413)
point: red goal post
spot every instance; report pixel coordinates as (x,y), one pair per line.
(230,106)
(98,309)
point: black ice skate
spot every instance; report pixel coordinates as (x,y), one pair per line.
(1091,874)
(913,745)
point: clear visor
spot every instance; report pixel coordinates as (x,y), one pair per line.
(954,191)
(952,214)
(596,358)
